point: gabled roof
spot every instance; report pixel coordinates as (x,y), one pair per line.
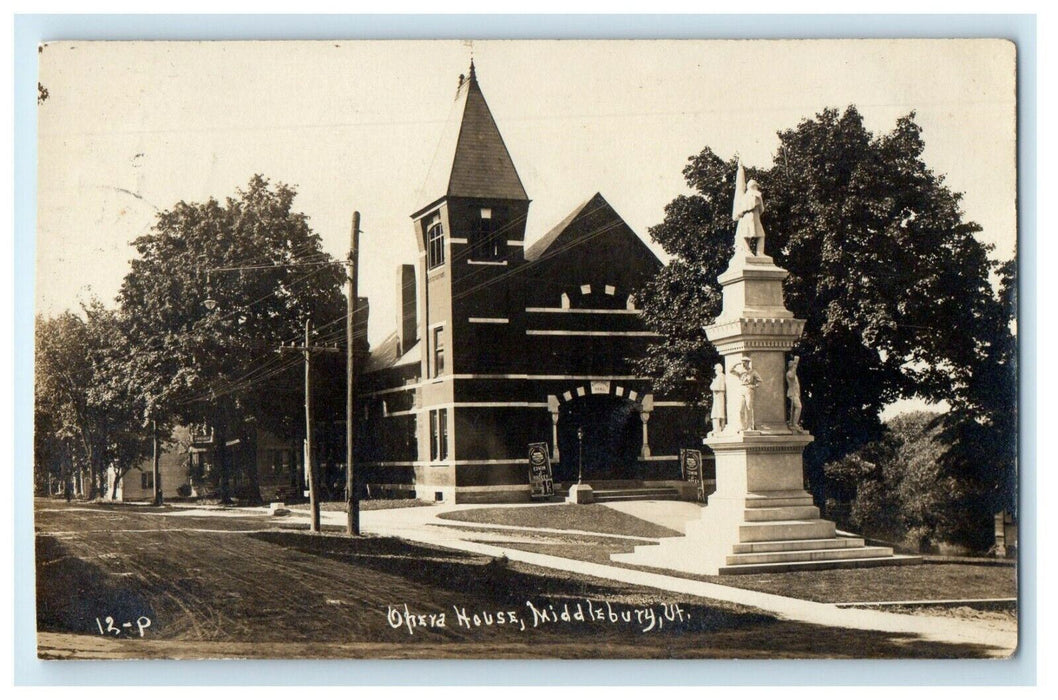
(594,217)
(384,355)
(471,159)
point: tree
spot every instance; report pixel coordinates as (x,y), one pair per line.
(63,375)
(263,270)
(892,282)
(980,432)
(903,487)
(83,413)
(120,437)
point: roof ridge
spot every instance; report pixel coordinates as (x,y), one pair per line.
(540,245)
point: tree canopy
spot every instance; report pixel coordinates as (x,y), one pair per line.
(892,282)
(261,268)
(84,413)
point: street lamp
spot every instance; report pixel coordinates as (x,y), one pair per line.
(210,303)
(580,455)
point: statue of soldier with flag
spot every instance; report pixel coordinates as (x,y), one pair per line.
(746,209)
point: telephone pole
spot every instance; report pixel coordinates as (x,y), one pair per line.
(310,470)
(352,526)
(156,474)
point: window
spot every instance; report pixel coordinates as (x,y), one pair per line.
(280,462)
(439,435)
(435,245)
(433,436)
(443,420)
(487,243)
(438,351)
(146,480)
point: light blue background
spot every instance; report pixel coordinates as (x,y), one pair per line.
(32,29)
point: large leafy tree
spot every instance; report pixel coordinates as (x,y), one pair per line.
(891,280)
(62,424)
(980,432)
(260,267)
(84,413)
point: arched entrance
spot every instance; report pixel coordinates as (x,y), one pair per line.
(612,438)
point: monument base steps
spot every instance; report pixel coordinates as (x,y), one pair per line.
(758,533)
(894,560)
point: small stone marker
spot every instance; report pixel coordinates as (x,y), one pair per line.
(580,493)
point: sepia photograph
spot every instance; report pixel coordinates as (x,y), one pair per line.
(526,349)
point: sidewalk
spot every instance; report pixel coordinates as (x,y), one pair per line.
(422,525)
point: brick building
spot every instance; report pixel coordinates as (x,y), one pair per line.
(499,345)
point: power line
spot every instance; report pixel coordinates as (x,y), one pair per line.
(529,264)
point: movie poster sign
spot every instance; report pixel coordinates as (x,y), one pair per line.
(541,483)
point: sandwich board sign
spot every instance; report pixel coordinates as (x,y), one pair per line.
(541,485)
(691,464)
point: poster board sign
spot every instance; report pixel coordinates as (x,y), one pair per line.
(691,466)
(541,484)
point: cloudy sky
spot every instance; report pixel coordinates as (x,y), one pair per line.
(132,128)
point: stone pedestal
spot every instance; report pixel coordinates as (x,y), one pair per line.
(760,518)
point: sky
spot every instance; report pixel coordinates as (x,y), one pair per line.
(130,129)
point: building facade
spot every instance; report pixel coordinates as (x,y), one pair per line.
(499,345)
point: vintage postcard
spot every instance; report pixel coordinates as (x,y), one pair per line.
(526,349)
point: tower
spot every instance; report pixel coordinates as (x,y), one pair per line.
(470,233)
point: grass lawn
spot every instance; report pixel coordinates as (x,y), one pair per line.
(928,581)
(947,579)
(592,517)
(373,504)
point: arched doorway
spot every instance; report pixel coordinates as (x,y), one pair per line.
(612,438)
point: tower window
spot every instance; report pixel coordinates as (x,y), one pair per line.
(487,243)
(438,351)
(435,245)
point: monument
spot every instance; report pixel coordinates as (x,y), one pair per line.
(760,518)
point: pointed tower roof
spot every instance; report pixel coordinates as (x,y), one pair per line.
(471,159)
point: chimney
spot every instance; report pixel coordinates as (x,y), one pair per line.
(407,321)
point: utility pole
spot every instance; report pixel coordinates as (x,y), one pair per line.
(310,470)
(157,469)
(352,526)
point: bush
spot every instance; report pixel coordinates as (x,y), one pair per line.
(905,488)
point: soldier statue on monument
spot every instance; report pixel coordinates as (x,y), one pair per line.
(748,380)
(746,209)
(793,392)
(718,415)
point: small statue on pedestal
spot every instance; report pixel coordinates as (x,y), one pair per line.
(746,209)
(748,379)
(719,390)
(793,392)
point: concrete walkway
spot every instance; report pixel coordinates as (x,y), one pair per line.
(422,525)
